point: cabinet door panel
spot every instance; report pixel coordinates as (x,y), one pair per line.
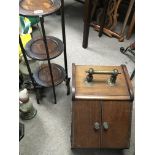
(116,116)
(84,134)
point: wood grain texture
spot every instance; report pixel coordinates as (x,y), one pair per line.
(98,88)
(128,82)
(36,8)
(35,48)
(33,5)
(99,102)
(85,114)
(118,116)
(86,19)
(42,75)
(131,26)
(73,81)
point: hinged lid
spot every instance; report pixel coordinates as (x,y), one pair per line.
(99,88)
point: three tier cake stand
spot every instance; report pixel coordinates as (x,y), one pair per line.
(45,48)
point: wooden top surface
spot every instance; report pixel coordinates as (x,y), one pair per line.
(99,88)
(38,7)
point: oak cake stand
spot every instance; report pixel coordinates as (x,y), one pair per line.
(45,48)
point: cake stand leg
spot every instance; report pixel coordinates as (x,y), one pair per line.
(48,57)
(68,85)
(28,68)
(67,79)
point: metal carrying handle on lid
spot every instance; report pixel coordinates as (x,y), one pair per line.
(111,81)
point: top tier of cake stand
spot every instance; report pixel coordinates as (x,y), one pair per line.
(38,7)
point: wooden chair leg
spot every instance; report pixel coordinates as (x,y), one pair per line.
(87,16)
(131,26)
(127,17)
(102,23)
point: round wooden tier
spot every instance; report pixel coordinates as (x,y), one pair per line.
(35,48)
(42,75)
(38,7)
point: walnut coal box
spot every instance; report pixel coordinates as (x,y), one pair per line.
(102,99)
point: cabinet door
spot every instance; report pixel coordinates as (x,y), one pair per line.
(116,123)
(85,115)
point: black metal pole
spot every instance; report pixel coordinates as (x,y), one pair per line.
(48,57)
(132,75)
(28,68)
(64,36)
(64,42)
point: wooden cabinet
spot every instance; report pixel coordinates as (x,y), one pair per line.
(101,114)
